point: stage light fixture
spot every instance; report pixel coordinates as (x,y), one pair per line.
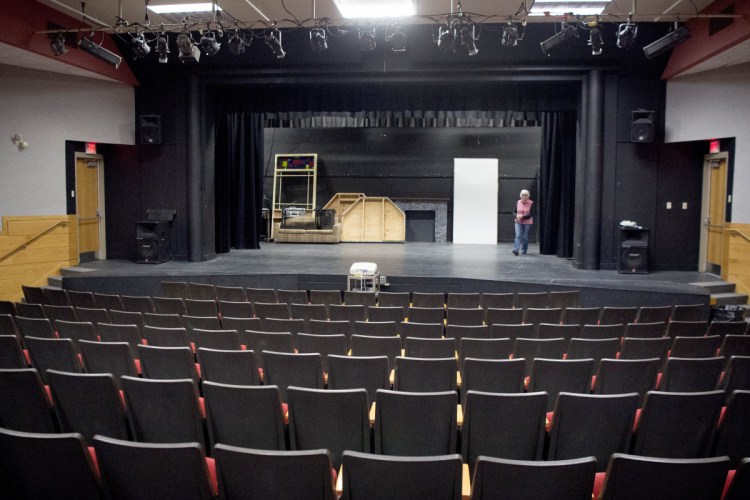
(397,40)
(88,45)
(318,41)
(468,39)
(139,46)
(188,51)
(669,41)
(273,40)
(626,34)
(57,45)
(445,38)
(237,44)
(162,48)
(595,40)
(510,35)
(209,44)
(567,32)
(367,41)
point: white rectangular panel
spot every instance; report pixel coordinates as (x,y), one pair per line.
(475,200)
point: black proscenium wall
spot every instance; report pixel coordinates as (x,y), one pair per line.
(411,164)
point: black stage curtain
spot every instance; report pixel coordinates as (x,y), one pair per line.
(239,181)
(557,184)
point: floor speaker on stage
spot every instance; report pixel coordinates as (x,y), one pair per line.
(633,257)
(642,127)
(150,126)
(152,242)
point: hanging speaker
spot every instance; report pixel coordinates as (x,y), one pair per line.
(150,126)
(633,257)
(642,126)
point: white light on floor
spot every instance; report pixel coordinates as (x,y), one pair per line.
(358,9)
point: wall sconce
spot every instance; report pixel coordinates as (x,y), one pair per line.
(18,141)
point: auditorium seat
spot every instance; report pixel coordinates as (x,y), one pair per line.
(691,374)
(201,291)
(267,295)
(397,314)
(230,294)
(326,297)
(241,325)
(425,374)
(422,330)
(678,425)
(8,325)
(695,347)
(617,315)
(735,345)
(737,374)
(394,299)
(465,316)
(119,317)
(109,332)
(733,438)
(268,341)
(417,314)
(415,424)
(152,420)
(367,476)
(265,310)
(81,299)
(34,294)
(290,297)
(416,347)
(587,425)
(538,348)
(428,300)
(202,308)
(37,465)
(287,369)
(230,309)
(556,330)
(174,289)
(564,299)
(57,313)
(554,376)
(347,312)
(323,345)
(25,404)
(109,301)
(58,354)
(77,330)
(11,354)
(142,304)
(621,376)
(376,328)
(168,363)
(602,331)
(367,299)
(688,312)
(35,327)
(181,473)
(114,358)
(335,420)
(492,375)
(483,349)
(581,315)
(646,330)
(464,300)
(172,320)
(89,403)
(739,487)
(630,476)
(30,310)
(235,367)
(309,311)
(596,349)
(244,415)
(498,301)
(93,315)
(687,328)
(512,331)
(535,315)
(724,328)
(157,336)
(359,372)
(325,327)
(459,332)
(525,300)
(654,314)
(637,348)
(503,316)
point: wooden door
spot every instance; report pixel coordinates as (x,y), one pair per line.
(88,208)
(714,211)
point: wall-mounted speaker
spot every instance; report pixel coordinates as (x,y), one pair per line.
(150,127)
(633,257)
(642,127)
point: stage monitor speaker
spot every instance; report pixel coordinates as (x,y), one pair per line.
(150,126)
(642,127)
(633,257)
(152,242)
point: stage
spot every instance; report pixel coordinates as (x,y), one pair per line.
(427,267)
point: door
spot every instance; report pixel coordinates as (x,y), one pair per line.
(88,207)
(714,211)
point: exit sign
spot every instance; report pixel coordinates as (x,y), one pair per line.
(91,148)
(714,146)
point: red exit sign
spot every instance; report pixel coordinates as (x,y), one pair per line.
(91,148)
(714,146)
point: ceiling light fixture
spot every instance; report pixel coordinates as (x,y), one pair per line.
(510,35)
(237,43)
(209,44)
(318,41)
(139,46)
(96,50)
(459,31)
(469,39)
(273,40)
(626,34)
(57,45)
(595,37)
(567,32)
(397,40)
(162,47)
(676,36)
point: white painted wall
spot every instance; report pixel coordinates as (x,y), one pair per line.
(47,109)
(475,200)
(710,105)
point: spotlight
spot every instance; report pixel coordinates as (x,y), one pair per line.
(209,44)
(445,38)
(100,52)
(510,35)
(667,42)
(162,48)
(595,40)
(469,40)
(397,40)
(188,51)
(626,34)
(139,46)
(273,40)
(57,45)
(237,44)
(367,41)
(567,32)
(318,41)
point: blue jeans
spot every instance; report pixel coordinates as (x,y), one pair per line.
(522,237)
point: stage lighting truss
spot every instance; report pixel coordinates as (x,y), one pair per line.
(367,42)
(188,51)
(458,33)
(396,40)
(273,40)
(318,42)
(237,43)
(626,34)
(140,46)
(567,32)
(57,45)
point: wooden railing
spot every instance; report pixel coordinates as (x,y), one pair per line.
(26,243)
(735,265)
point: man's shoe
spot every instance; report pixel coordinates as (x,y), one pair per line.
(515,252)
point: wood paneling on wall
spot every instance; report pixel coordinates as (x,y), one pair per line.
(735,265)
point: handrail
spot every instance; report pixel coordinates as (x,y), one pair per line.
(737,231)
(23,245)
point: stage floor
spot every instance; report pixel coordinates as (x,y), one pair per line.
(414,260)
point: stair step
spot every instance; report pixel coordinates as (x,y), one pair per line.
(722,299)
(54,282)
(716,286)
(75,271)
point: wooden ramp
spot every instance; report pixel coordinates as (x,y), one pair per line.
(368,218)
